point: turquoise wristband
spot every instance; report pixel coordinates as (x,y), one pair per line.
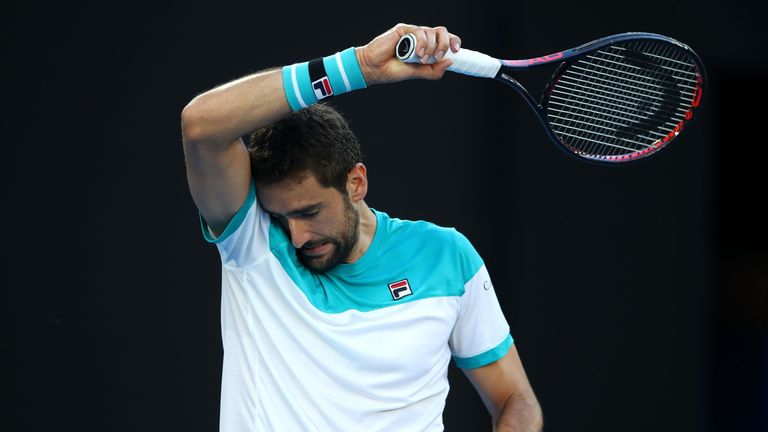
(340,71)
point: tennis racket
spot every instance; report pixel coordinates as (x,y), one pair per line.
(616,99)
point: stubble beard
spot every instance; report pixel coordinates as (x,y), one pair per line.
(342,244)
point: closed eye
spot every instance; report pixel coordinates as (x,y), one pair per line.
(306,214)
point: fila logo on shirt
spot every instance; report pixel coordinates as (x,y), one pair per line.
(400,289)
(322,88)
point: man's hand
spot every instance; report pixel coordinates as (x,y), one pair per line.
(379,64)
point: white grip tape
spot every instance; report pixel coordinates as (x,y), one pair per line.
(465,61)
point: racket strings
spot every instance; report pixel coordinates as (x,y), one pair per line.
(655,87)
(646,63)
(623,100)
(595,72)
(626,87)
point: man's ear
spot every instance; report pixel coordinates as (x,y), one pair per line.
(357,182)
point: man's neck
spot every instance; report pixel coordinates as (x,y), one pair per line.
(368,224)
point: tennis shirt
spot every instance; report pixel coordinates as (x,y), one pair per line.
(364,346)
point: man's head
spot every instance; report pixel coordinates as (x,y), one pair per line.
(309,177)
(316,139)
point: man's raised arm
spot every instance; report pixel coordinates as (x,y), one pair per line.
(218,166)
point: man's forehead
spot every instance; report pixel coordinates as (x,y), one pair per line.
(294,178)
(293,195)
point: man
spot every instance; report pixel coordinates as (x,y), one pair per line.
(337,317)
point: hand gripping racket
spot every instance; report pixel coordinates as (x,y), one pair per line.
(615,99)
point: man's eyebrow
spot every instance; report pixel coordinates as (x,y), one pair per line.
(298,212)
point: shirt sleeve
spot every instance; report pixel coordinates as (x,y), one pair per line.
(481,334)
(246,238)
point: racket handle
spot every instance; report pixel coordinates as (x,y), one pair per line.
(465,61)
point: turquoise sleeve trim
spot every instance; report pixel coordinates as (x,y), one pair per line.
(487,357)
(236,221)
(352,68)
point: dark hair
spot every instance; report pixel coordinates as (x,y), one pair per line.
(316,139)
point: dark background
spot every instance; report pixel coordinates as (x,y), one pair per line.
(637,295)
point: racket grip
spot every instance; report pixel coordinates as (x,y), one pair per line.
(465,61)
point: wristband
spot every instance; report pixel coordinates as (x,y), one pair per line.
(309,82)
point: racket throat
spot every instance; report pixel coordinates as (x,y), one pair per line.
(508,80)
(537,109)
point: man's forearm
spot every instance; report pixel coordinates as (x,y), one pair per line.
(222,115)
(227,112)
(520,414)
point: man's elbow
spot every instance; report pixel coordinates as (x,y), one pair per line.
(192,130)
(535,414)
(520,413)
(539,418)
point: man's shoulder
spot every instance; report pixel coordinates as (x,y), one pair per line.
(419,229)
(428,235)
(418,240)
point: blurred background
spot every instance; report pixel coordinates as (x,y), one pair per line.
(637,295)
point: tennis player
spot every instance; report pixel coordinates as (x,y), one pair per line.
(336,316)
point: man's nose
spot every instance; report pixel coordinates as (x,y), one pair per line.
(299,232)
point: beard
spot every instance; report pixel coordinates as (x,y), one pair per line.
(342,243)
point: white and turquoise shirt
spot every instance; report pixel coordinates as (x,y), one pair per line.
(362,347)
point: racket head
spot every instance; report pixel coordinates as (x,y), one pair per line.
(622,98)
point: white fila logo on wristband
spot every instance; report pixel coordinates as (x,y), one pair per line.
(322,88)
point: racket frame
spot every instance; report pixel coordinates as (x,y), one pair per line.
(566,58)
